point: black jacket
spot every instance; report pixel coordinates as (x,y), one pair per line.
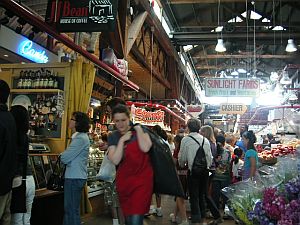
(7,149)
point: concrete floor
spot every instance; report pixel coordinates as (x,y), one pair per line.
(167,208)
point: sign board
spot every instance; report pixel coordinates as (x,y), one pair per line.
(83,15)
(225,87)
(140,115)
(32,52)
(24,47)
(195,110)
(232,108)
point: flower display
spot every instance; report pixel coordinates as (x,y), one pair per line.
(279,206)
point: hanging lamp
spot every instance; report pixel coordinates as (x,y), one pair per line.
(285,80)
(291,47)
(220,46)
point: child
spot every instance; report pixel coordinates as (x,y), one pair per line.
(237,165)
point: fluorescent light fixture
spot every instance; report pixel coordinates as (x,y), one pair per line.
(5,55)
(242,71)
(220,46)
(291,47)
(253,15)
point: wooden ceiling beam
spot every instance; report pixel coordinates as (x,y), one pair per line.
(220,56)
(221,67)
(216,1)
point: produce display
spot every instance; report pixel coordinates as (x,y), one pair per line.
(281,150)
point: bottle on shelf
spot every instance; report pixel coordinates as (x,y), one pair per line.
(20,80)
(29,79)
(25,80)
(55,81)
(50,80)
(43,77)
(37,80)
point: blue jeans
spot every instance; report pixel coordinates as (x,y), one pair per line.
(72,196)
(134,220)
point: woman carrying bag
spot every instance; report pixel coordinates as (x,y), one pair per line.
(128,148)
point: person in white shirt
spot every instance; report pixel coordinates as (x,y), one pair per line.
(197,184)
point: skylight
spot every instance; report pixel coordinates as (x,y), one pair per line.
(219,29)
(187,48)
(278,28)
(265,20)
(253,16)
(165,26)
(235,20)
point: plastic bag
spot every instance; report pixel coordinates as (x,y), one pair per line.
(107,171)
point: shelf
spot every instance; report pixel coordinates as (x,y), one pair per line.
(28,91)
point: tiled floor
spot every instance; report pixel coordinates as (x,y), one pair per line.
(167,207)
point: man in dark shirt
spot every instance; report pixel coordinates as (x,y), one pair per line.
(7,154)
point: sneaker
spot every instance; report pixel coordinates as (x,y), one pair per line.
(159,212)
(184,223)
(152,210)
(173,218)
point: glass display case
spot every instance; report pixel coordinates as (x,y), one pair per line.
(43,165)
(95,186)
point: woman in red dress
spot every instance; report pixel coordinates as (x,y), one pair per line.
(128,149)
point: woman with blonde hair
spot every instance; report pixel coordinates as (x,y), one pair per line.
(208,132)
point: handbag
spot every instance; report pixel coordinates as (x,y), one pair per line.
(166,180)
(107,171)
(57,178)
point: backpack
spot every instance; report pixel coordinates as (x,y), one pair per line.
(199,165)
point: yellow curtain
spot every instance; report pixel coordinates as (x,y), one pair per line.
(81,85)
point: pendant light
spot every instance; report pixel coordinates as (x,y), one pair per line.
(285,80)
(220,44)
(291,47)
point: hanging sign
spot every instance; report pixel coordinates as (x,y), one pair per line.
(232,108)
(83,15)
(223,87)
(29,51)
(140,115)
(195,110)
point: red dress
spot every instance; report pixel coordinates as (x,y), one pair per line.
(134,180)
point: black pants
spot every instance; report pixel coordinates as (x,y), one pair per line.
(198,191)
(217,186)
(134,220)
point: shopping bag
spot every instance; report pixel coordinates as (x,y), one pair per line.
(107,171)
(166,180)
(57,178)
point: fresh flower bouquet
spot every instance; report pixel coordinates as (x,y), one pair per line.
(279,206)
(242,198)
